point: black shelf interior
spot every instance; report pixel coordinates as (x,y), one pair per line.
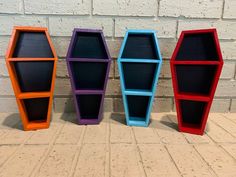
(198,47)
(89,105)
(139,75)
(32,45)
(196,79)
(192,111)
(89,75)
(137,106)
(140,46)
(88,45)
(36,109)
(34,75)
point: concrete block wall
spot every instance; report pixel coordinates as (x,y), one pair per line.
(168,17)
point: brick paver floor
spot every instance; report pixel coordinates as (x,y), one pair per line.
(114,149)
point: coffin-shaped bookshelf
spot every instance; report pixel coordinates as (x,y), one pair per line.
(139,64)
(31,62)
(196,66)
(88,63)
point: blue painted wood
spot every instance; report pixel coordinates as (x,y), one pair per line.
(136,100)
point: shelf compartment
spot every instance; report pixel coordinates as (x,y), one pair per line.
(36,109)
(31,62)
(89,75)
(140,46)
(88,44)
(89,105)
(139,75)
(198,46)
(192,112)
(196,66)
(138,108)
(199,78)
(34,76)
(32,45)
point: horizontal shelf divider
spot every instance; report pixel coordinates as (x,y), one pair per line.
(89,120)
(26,95)
(137,122)
(138,92)
(88,59)
(143,31)
(195,62)
(31,59)
(139,60)
(36,125)
(193,97)
(89,92)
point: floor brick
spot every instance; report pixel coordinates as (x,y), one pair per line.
(218,134)
(225,123)
(6,152)
(96,133)
(145,135)
(70,134)
(91,161)
(44,136)
(59,161)
(14,136)
(120,133)
(188,161)
(218,159)
(156,161)
(125,161)
(24,161)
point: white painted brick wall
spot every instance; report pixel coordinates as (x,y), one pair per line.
(191,8)
(166,28)
(69,7)
(167,17)
(7,22)
(63,26)
(125,8)
(230,9)
(11,6)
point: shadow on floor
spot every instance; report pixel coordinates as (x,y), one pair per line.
(13,121)
(169,121)
(163,123)
(118,118)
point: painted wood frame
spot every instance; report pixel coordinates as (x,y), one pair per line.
(88,63)
(196,66)
(32,73)
(139,64)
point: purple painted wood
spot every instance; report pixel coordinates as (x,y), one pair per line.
(88,75)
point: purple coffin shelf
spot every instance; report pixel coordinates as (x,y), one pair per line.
(88,63)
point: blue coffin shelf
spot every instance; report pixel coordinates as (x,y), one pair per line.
(139,64)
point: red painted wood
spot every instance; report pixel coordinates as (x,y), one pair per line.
(186,127)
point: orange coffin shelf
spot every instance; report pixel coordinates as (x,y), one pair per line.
(31,62)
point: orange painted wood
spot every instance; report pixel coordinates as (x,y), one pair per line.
(20,96)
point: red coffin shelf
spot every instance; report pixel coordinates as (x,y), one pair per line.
(196,66)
